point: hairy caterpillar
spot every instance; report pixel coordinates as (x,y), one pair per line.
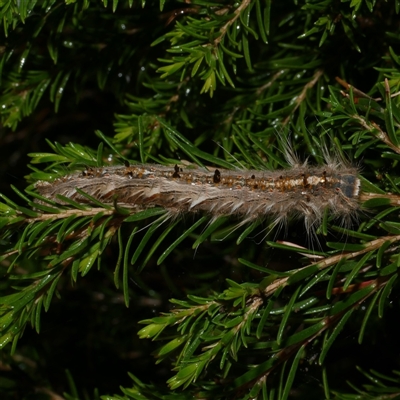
(302,191)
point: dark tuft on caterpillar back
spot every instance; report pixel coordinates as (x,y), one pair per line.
(217,176)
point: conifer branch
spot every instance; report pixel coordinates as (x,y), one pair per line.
(253,316)
(67,213)
(303,94)
(377,131)
(223,30)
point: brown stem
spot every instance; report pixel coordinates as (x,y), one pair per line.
(301,97)
(376,130)
(394,199)
(223,30)
(373,245)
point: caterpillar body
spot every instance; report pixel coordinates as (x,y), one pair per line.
(301,191)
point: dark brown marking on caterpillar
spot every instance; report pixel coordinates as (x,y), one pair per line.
(176,172)
(217,176)
(87,172)
(305,182)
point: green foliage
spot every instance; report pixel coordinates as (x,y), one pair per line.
(226,84)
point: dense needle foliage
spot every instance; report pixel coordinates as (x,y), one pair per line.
(102,301)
